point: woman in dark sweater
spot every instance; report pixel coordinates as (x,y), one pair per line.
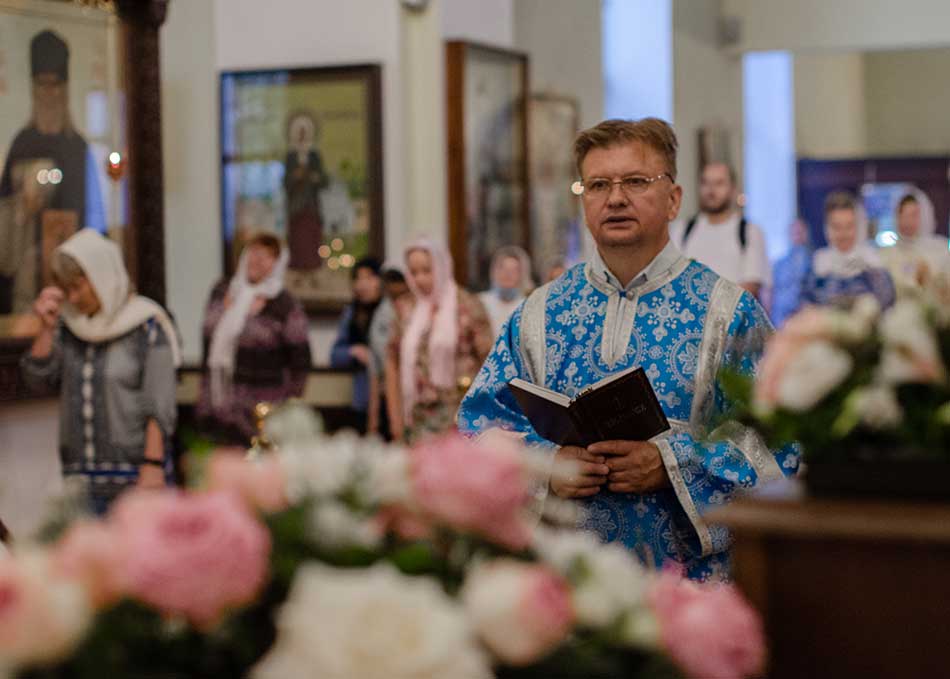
(351,348)
(255,343)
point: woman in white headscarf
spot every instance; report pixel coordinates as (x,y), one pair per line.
(435,353)
(112,354)
(510,284)
(849,266)
(256,345)
(919,254)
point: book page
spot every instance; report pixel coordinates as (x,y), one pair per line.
(543,392)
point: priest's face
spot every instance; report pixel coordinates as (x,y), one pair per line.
(630,219)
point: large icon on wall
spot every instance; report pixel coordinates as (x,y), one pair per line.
(488,156)
(60,118)
(555,211)
(302,157)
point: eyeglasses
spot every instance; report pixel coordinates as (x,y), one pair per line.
(598,188)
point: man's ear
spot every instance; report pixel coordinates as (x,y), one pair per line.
(676,200)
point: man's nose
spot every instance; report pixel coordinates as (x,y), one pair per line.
(615,195)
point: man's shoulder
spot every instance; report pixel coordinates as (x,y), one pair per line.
(562,283)
(709,288)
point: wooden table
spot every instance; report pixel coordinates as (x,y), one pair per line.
(847,588)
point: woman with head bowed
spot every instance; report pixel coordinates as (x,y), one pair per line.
(510,284)
(849,266)
(112,355)
(436,351)
(256,347)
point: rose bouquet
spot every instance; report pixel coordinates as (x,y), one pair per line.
(341,558)
(856,384)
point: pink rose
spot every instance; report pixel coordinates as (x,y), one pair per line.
(42,617)
(521,611)
(260,483)
(90,553)
(709,631)
(479,487)
(192,555)
(810,323)
(779,350)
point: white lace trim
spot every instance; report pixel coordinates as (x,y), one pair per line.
(682,494)
(722,308)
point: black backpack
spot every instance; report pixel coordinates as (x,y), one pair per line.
(742,231)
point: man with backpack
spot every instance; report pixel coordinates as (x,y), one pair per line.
(720,237)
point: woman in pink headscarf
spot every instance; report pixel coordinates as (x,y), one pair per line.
(436,349)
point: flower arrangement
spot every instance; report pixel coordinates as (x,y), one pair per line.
(856,383)
(339,557)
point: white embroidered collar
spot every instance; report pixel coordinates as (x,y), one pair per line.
(662,263)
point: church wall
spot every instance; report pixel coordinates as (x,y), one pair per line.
(707,90)
(838,25)
(830,108)
(907,101)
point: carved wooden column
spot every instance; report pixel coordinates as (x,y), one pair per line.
(145,245)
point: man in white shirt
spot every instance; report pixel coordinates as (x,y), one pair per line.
(720,237)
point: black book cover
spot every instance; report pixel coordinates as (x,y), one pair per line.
(619,407)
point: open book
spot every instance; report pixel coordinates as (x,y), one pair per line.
(619,407)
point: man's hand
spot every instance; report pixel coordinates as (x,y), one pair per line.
(635,466)
(586,480)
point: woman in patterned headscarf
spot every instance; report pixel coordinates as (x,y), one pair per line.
(849,266)
(434,354)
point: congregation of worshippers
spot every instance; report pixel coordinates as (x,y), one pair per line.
(645,250)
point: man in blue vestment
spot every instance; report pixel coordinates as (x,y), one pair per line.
(639,302)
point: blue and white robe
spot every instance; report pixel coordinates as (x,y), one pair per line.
(682,323)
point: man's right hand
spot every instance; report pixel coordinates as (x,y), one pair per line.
(586,480)
(47,306)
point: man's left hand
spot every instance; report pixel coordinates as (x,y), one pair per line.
(635,466)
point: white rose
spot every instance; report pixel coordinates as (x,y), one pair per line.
(608,580)
(910,352)
(43,616)
(370,623)
(866,308)
(322,466)
(812,374)
(388,480)
(856,324)
(877,407)
(522,611)
(333,524)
